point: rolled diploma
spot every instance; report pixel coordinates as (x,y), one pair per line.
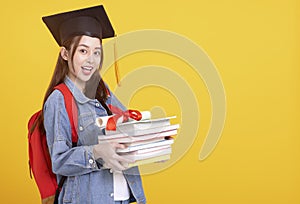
(102,121)
(146,115)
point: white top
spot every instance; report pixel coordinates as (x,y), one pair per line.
(121,190)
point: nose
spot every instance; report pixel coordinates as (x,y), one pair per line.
(90,58)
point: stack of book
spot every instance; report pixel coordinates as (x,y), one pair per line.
(147,141)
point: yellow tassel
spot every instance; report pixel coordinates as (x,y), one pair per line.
(117,73)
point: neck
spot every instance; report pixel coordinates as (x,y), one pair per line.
(78,83)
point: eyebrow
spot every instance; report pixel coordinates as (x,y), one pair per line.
(84,45)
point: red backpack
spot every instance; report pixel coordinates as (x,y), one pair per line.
(39,157)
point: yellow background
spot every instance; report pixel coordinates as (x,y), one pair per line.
(255,46)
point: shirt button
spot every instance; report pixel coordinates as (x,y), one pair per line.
(112,194)
(80,128)
(97,104)
(91,161)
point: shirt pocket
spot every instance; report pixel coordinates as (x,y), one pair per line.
(88,131)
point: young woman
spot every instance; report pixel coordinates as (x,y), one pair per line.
(96,174)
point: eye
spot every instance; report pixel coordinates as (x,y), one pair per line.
(98,53)
(83,51)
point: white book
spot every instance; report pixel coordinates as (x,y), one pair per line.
(157,159)
(148,147)
(146,123)
(149,150)
(137,127)
(143,142)
(140,156)
(124,138)
(140,132)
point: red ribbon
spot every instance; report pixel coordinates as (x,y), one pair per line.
(112,121)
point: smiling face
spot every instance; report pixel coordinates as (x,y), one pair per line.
(86,60)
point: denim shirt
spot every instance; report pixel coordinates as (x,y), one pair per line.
(87,182)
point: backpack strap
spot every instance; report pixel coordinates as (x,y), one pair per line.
(72,111)
(71,108)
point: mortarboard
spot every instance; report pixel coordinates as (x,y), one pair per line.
(92,21)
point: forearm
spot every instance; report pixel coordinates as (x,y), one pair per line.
(74,161)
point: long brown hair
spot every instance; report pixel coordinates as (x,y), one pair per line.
(95,87)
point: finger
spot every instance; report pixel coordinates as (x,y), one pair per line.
(118,145)
(125,164)
(124,159)
(106,166)
(117,166)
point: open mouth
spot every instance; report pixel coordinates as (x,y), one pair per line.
(87,69)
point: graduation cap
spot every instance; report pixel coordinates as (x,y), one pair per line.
(92,21)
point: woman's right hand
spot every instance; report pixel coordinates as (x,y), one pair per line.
(107,152)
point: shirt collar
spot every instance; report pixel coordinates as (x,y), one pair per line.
(77,94)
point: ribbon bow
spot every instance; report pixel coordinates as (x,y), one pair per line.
(112,121)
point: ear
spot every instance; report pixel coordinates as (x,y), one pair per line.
(64,53)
